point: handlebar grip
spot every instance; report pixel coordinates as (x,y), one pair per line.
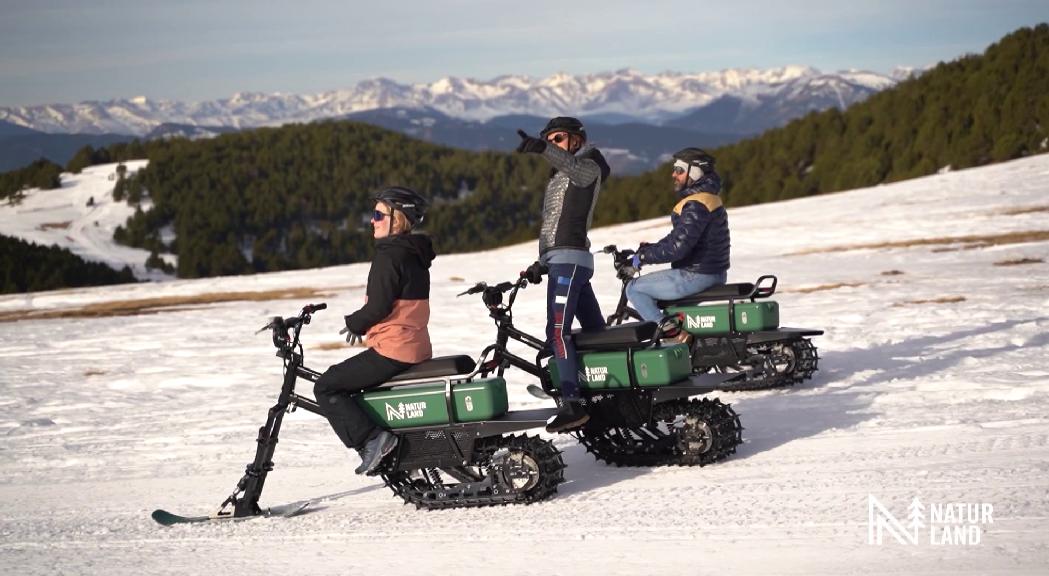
(311,308)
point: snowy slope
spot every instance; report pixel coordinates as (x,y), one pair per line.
(104,419)
(81,217)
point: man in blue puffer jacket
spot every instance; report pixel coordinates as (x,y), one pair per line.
(697,247)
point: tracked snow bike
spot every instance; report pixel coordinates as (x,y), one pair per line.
(645,406)
(732,332)
(453,451)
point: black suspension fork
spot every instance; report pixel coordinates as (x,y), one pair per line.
(621,312)
(245,499)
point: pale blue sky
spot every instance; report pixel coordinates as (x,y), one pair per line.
(64,51)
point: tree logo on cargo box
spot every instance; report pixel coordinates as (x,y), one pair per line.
(596,373)
(700,321)
(405,411)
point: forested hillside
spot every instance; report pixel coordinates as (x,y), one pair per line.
(973,111)
(298,196)
(976,110)
(27,267)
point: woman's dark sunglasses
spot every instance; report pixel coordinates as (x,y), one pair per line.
(378,216)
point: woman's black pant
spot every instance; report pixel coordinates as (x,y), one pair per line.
(338,389)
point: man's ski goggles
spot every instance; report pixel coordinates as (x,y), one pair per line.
(558,138)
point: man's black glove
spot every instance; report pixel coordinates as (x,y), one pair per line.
(530,144)
(351,338)
(535,272)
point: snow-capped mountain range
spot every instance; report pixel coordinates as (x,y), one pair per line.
(620,96)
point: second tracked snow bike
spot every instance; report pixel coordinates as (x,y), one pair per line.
(645,407)
(454,450)
(734,329)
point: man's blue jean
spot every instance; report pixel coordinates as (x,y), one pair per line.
(667,285)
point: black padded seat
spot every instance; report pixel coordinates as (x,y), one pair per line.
(622,336)
(723,292)
(437,367)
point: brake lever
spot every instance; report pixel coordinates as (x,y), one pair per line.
(475,289)
(275,322)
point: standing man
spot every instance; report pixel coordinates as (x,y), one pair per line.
(564,250)
(697,247)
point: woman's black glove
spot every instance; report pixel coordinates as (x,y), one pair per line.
(535,272)
(530,144)
(351,338)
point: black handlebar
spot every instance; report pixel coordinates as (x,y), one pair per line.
(280,327)
(492,296)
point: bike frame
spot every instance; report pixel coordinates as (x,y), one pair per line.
(502,358)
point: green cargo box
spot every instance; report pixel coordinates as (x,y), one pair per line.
(652,367)
(424,404)
(713,318)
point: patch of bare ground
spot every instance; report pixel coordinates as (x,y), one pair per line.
(892,273)
(963,242)
(940,300)
(94,372)
(456,279)
(1019,262)
(330,346)
(823,287)
(163,304)
(1025,210)
(54,225)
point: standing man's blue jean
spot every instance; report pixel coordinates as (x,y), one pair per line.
(667,285)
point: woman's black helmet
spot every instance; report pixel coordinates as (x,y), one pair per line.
(564,124)
(408,201)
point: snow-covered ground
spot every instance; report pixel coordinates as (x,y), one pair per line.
(104,419)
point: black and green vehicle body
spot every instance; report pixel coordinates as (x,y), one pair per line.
(736,328)
(731,329)
(645,404)
(642,397)
(456,445)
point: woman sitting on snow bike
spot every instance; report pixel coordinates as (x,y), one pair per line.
(392,323)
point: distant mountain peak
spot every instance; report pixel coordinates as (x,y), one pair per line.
(626,93)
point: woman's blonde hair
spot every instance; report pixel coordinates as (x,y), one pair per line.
(400,222)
